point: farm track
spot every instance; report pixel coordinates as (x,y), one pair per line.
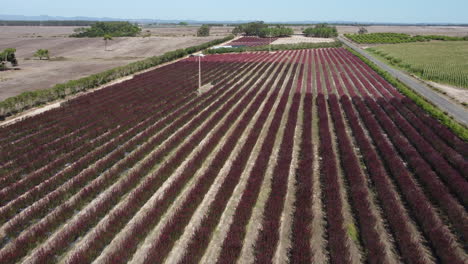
(293,156)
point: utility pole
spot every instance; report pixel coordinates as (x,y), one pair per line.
(200,55)
(269,46)
(199,73)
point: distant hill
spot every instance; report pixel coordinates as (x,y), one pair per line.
(198,22)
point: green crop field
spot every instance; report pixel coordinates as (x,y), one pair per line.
(393,38)
(443,62)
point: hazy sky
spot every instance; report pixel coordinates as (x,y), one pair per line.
(405,11)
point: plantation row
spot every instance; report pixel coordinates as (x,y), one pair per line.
(301,156)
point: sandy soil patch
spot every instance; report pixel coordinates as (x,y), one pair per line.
(301,39)
(458,94)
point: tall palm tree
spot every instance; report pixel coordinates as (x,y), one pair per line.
(106,38)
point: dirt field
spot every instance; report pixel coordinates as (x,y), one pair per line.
(186,31)
(74,58)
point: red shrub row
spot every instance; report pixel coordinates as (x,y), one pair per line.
(437,190)
(337,234)
(359,192)
(431,224)
(202,234)
(38,231)
(269,234)
(174,229)
(232,244)
(395,213)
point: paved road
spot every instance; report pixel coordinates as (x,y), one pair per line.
(456,111)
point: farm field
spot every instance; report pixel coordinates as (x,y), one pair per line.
(444,62)
(455,31)
(301,156)
(73,58)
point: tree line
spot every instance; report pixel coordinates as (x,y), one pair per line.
(260,29)
(321,31)
(113,29)
(63,23)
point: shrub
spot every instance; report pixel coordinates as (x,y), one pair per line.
(8,55)
(42,53)
(203,31)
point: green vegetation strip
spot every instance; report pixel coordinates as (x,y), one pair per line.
(31,99)
(392,38)
(444,62)
(432,110)
(297,46)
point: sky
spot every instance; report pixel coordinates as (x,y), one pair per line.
(393,11)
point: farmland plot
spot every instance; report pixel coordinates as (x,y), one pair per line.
(294,156)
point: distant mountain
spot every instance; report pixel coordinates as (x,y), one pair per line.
(198,22)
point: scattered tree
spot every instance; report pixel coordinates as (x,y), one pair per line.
(203,31)
(42,53)
(321,31)
(106,38)
(362,30)
(183,24)
(8,55)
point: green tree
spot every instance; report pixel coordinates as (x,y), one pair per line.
(252,28)
(8,55)
(203,31)
(321,31)
(42,53)
(237,30)
(183,24)
(115,29)
(362,30)
(106,38)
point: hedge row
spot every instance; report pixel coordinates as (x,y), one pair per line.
(432,110)
(31,99)
(335,44)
